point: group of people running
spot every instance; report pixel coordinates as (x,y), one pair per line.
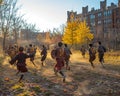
(19,55)
(61,54)
(92,53)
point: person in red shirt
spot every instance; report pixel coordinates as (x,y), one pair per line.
(59,55)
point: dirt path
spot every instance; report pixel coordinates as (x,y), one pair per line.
(82,79)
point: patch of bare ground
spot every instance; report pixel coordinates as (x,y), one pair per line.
(81,80)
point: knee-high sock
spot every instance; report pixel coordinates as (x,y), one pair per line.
(61,73)
(21,77)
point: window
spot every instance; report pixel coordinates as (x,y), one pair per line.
(99,14)
(105,13)
(99,22)
(92,16)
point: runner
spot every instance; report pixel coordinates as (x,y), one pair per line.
(67,56)
(43,54)
(12,52)
(92,54)
(35,49)
(21,62)
(83,50)
(31,52)
(101,51)
(59,55)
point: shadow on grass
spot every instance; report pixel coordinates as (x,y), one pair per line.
(86,82)
(113,67)
(94,83)
(35,84)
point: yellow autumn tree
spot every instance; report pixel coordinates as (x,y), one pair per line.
(1,1)
(69,35)
(83,33)
(77,33)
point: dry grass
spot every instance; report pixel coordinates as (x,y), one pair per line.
(82,80)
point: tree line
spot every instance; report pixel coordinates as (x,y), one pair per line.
(11,21)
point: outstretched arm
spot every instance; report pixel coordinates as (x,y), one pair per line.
(13,60)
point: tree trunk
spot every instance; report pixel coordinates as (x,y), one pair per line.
(4,40)
(15,37)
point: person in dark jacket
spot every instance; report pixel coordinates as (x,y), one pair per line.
(67,54)
(21,62)
(92,54)
(83,51)
(101,51)
(43,54)
(31,52)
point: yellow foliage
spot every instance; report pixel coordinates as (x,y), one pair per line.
(18,86)
(84,33)
(1,1)
(69,34)
(77,33)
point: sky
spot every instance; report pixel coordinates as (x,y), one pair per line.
(49,14)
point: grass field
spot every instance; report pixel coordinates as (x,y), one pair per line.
(82,79)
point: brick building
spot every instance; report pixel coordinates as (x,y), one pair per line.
(104,23)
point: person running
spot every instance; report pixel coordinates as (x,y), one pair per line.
(21,62)
(16,48)
(12,52)
(43,54)
(59,55)
(26,49)
(31,52)
(67,56)
(101,51)
(35,50)
(92,54)
(82,49)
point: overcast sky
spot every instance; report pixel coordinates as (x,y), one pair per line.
(49,14)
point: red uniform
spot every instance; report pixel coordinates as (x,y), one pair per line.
(21,61)
(59,58)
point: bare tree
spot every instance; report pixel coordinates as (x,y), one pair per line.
(11,23)
(8,10)
(16,25)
